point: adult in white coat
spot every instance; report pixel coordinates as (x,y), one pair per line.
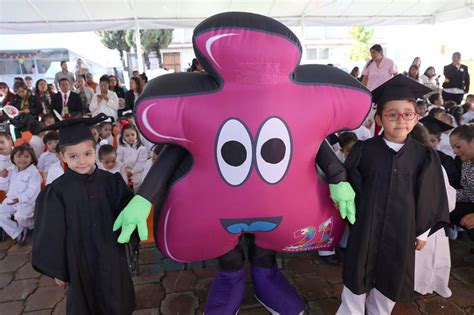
(105,101)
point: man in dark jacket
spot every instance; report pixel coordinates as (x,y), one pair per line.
(66,102)
(456,81)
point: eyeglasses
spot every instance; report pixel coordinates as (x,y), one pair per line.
(393,116)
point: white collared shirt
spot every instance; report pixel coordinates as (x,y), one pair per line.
(46,160)
(5,162)
(109,107)
(118,168)
(24,185)
(55,171)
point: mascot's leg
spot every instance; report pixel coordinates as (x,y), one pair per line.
(228,288)
(272,289)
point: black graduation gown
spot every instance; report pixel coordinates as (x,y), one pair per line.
(73,241)
(399,195)
(451,169)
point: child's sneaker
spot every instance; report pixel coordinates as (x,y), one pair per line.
(445,292)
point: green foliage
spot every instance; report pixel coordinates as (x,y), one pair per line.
(151,40)
(362,36)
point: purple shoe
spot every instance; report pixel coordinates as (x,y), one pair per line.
(274,292)
(226,293)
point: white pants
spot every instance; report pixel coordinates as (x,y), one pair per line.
(23,218)
(374,302)
(433,266)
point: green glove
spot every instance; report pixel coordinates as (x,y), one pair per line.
(343,195)
(133,216)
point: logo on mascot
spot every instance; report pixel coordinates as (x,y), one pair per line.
(306,238)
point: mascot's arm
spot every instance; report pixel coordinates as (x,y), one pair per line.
(341,191)
(154,185)
(330,164)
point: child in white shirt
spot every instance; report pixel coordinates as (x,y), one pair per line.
(6,147)
(23,183)
(55,171)
(132,153)
(148,145)
(105,132)
(36,142)
(108,161)
(49,157)
(97,139)
(154,156)
(346,141)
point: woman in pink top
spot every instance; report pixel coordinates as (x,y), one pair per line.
(379,69)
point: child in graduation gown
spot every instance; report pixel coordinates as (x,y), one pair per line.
(435,129)
(73,240)
(400,200)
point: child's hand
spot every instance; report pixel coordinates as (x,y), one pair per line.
(13,202)
(468,221)
(4,173)
(419,244)
(60,283)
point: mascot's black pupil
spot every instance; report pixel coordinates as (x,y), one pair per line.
(234,153)
(273,151)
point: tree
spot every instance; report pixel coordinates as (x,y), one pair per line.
(360,49)
(151,40)
(115,40)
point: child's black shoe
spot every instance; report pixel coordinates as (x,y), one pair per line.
(21,239)
(3,235)
(332,259)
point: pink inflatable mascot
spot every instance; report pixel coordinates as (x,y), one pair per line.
(243,140)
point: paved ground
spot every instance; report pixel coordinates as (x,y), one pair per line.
(164,287)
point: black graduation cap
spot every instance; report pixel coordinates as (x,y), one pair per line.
(435,126)
(75,130)
(399,87)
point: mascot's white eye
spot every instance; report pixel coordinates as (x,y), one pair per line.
(234,152)
(273,150)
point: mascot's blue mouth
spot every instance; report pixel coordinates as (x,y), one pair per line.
(237,226)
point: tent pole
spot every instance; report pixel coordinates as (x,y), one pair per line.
(303,40)
(141,67)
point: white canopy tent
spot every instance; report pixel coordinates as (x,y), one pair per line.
(45,16)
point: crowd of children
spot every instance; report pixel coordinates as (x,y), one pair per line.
(119,147)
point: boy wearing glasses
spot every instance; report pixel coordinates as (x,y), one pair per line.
(400,200)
